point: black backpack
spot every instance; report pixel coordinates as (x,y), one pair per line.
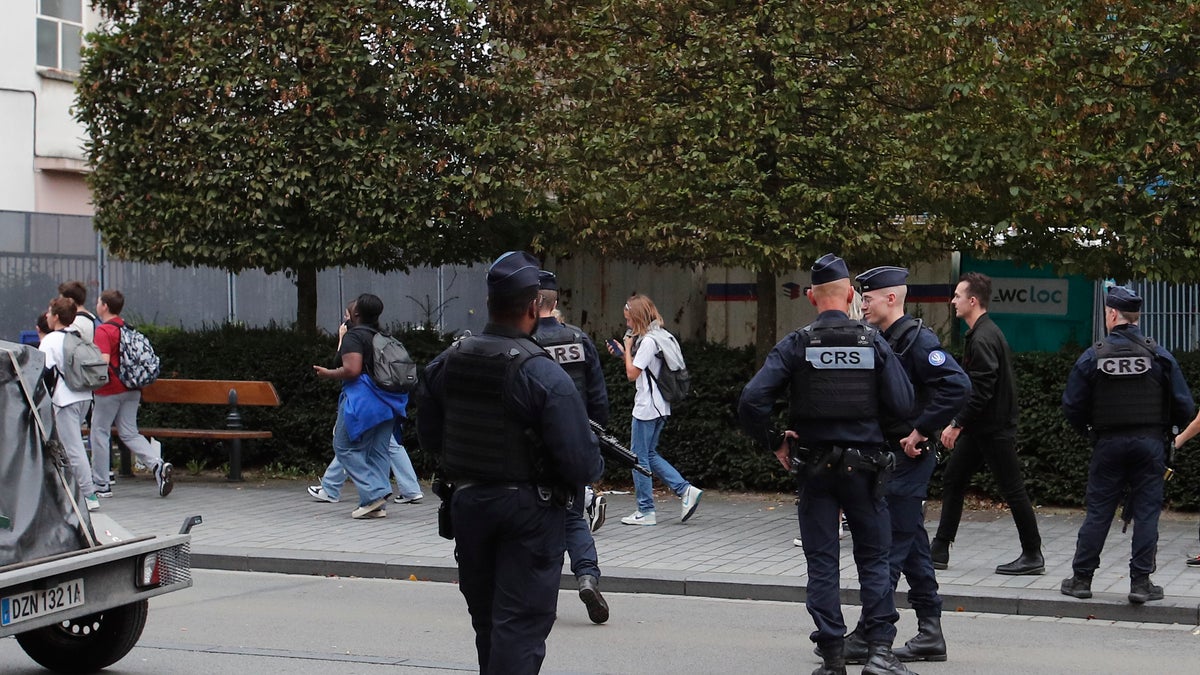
(673,383)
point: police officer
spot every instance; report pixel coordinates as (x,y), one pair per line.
(941,388)
(513,437)
(574,351)
(1127,391)
(842,378)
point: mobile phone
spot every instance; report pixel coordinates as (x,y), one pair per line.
(615,346)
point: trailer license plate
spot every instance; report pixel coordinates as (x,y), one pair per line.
(32,604)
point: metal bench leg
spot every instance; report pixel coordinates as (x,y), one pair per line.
(235,459)
(126,469)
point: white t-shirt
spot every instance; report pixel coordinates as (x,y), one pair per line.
(86,327)
(648,403)
(52,346)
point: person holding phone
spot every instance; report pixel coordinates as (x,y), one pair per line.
(650,412)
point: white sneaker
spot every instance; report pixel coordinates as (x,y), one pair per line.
(375,509)
(844,530)
(415,499)
(318,493)
(797,543)
(92,501)
(162,474)
(691,499)
(639,518)
(596,511)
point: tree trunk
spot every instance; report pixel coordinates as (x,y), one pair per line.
(306,299)
(768,301)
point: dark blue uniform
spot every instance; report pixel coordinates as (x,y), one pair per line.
(941,388)
(1128,454)
(822,494)
(510,535)
(581,546)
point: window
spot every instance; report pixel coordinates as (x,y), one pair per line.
(59,34)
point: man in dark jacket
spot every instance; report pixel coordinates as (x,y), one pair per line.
(574,351)
(986,431)
(1125,392)
(512,435)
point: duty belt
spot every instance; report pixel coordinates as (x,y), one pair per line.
(838,460)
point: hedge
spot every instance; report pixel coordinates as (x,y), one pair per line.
(701,439)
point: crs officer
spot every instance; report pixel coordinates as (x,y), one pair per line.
(842,378)
(574,351)
(513,437)
(941,387)
(1128,392)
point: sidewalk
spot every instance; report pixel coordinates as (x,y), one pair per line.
(736,546)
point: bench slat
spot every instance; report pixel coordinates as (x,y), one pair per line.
(213,434)
(211,392)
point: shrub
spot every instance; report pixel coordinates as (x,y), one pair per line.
(701,439)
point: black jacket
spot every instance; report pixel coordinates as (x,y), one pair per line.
(987,359)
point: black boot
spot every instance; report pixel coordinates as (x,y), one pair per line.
(1141,590)
(1077,587)
(589,593)
(928,645)
(854,648)
(939,551)
(884,662)
(835,662)
(1030,562)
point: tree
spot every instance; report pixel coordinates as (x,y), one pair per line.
(1071,133)
(755,134)
(286,135)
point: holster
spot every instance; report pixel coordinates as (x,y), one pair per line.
(445,491)
(880,464)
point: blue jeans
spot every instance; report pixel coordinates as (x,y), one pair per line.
(644,438)
(365,460)
(406,477)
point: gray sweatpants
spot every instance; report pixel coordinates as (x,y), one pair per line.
(119,410)
(68,422)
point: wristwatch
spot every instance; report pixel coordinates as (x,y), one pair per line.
(954,423)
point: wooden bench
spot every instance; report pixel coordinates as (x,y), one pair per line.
(208,392)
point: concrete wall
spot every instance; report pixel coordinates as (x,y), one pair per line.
(42,163)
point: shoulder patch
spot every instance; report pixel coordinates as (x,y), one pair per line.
(937,357)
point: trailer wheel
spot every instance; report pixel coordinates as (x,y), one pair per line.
(89,643)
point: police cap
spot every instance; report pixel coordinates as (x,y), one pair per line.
(547,281)
(829,268)
(1123,300)
(884,276)
(512,272)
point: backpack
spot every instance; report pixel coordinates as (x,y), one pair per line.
(393,370)
(673,380)
(83,367)
(137,364)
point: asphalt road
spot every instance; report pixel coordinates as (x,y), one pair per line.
(238,622)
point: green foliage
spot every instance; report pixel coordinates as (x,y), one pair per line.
(701,439)
(284,135)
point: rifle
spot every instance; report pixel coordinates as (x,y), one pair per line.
(614,449)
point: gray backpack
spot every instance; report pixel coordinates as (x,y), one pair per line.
(393,370)
(83,367)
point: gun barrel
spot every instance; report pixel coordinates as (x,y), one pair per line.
(614,449)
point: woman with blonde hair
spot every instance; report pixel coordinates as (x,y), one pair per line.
(646,342)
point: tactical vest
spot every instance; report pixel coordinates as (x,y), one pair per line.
(837,379)
(1127,391)
(564,344)
(483,440)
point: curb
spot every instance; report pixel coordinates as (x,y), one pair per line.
(1018,602)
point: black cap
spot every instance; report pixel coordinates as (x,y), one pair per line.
(512,272)
(547,281)
(1123,300)
(829,268)
(885,276)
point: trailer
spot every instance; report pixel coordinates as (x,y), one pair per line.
(74,587)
